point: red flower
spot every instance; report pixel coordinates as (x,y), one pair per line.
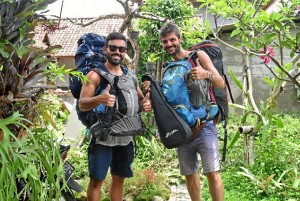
(269,52)
(150,175)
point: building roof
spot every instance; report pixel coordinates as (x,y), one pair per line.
(68,33)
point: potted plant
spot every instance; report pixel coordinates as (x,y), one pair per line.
(151,62)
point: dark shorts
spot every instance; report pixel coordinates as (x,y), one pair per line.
(117,158)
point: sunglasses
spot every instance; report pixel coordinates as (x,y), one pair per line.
(114,48)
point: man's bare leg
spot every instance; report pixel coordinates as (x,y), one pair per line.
(94,190)
(116,188)
(215,186)
(194,186)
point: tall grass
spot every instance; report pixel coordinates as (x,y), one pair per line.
(33,160)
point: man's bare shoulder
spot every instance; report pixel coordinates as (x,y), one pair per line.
(93,76)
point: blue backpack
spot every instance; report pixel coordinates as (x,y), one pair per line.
(177,91)
(89,55)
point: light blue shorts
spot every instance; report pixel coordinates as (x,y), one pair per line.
(206,144)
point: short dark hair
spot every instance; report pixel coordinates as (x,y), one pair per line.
(115,36)
(169,27)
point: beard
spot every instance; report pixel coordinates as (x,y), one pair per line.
(177,50)
(114,61)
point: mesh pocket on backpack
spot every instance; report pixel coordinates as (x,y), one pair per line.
(127,126)
(198,90)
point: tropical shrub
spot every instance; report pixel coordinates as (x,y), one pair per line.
(275,173)
(31,116)
(267,35)
(34,160)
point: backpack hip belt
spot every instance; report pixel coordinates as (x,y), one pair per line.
(197,128)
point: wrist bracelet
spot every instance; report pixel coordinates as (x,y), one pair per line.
(211,76)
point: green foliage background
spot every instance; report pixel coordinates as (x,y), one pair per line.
(275,176)
(178,11)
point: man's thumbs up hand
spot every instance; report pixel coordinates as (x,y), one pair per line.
(198,73)
(108,99)
(146,103)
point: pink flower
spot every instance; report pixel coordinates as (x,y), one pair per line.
(269,52)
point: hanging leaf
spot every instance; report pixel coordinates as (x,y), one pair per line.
(298,38)
(235,79)
(268,81)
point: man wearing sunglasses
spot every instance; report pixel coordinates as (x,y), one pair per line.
(115,153)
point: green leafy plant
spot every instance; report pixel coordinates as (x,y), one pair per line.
(266,36)
(272,186)
(282,142)
(23,75)
(149,42)
(146,185)
(34,160)
(152,58)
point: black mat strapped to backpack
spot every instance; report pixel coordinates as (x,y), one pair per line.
(173,130)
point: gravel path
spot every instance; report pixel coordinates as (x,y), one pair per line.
(179,193)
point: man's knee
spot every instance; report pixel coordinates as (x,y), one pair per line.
(193,179)
(95,183)
(213,176)
(117,179)
(193,176)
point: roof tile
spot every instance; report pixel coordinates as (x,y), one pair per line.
(69,33)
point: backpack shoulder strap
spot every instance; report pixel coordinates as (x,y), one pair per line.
(107,79)
(107,76)
(110,78)
(183,62)
(125,69)
(192,58)
(134,80)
